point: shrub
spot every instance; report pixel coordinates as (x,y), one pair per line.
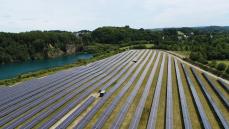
(221,66)
(197,56)
(227,71)
(213,63)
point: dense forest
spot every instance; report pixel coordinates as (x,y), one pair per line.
(118,35)
(205,43)
(16,47)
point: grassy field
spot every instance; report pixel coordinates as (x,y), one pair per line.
(221,61)
(185,54)
(226,62)
(177,118)
(145,46)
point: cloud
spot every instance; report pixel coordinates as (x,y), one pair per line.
(73,15)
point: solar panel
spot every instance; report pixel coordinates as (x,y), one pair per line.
(185,112)
(85,94)
(39,109)
(154,108)
(217,112)
(224,85)
(32,87)
(75,114)
(104,116)
(137,115)
(60,85)
(68,97)
(199,106)
(121,115)
(169,97)
(218,92)
(91,113)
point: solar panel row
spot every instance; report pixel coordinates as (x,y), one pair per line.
(218,113)
(154,108)
(47,103)
(62,87)
(76,113)
(79,99)
(218,92)
(42,103)
(45,86)
(20,110)
(36,84)
(91,113)
(137,115)
(198,104)
(103,117)
(184,106)
(121,115)
(169,97)
(50,79)
(224,85)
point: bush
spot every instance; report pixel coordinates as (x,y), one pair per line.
(227,71)
(221,66)
(213,64)
(140,46)
(197,56)
(214,71)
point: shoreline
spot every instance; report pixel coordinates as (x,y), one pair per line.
(45,72)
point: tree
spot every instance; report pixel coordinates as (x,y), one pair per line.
(197,56)
(221,66)
(16,47)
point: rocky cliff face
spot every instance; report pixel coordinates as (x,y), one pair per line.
(35,45)
(70,49)
(54,52)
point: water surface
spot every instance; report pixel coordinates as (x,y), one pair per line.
(11,70)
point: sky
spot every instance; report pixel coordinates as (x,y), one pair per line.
(75,15)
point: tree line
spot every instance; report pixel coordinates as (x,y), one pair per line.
(17,47)
(205,43)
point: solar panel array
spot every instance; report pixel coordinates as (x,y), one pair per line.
(76,113)
(224,85)
(48,103)
(184,106)
(199,106)
(218,113)
(121,115)
(77,101)
(169,97)
(48,96)
(137,116)
(90,114)
(220,94)
(153,112)
(108,111)
(26,95)
(69,99)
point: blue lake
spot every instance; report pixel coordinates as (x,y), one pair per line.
(11,70)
